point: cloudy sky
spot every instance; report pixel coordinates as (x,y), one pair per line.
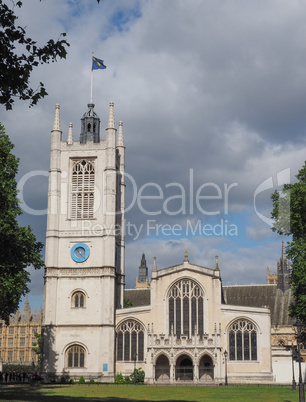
(212,96)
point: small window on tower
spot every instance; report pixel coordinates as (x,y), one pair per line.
(78,300)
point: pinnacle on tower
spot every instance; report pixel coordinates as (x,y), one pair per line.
(217,264)
(70,137)
(111,118)
(154,269)
(120,142)
(57,124)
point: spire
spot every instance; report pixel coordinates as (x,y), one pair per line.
(70,137)
(143,270)
(57,124)
(283,250)
(120,135)
(111,118)
(154,269)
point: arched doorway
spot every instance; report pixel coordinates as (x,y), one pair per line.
(162,369)
(184,369)
(206,369)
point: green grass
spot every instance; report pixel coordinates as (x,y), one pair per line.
(117,393)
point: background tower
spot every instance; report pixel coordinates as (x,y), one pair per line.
(84,274)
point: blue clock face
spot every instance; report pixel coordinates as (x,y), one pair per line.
(80,252)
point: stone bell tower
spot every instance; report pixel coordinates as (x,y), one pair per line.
(84,274)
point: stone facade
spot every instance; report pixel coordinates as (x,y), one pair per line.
(17,338)
(183,325)
(84,274)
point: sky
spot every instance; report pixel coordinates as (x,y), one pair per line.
(212,96)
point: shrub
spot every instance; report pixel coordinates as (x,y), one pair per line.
(119,379)
(91,381)
(139,375)
(81,380)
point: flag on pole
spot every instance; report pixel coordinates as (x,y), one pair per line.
(97,63)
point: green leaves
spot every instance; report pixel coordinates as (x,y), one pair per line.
(289,214)
(16,67)
(18,246)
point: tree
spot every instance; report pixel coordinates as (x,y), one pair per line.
(289,214)
(18,246)
(37,347)
(19,56)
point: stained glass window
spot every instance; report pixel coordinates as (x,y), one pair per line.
(242,341)
(130,341)
(186,312)
(75,356)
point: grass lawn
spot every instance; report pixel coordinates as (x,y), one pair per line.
(117,393)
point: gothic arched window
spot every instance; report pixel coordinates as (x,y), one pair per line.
(75,356)
(186,308)
(130,341)
(78,299)
(242,340)
(82,190)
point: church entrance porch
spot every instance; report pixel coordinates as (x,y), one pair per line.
(162,369)
(206,369)
(184,369)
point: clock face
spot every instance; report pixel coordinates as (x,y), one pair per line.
(80,252)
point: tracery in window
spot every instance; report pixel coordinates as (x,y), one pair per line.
(75,356)
(78,300)
(186,311)
(82,190)
(242,341)
(130,341)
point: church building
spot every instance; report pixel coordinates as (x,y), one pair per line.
(182,325)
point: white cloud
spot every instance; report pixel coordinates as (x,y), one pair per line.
(217,87)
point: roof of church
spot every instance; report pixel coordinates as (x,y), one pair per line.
(261,296)
(239,295)
(138,297)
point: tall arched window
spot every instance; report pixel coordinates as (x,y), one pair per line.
(78,299)
(242,340)
(186,310)
(75,356)
(82,190)
(130,341)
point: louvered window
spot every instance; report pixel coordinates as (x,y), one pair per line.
(82,191)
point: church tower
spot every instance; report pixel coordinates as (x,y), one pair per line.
(84,274)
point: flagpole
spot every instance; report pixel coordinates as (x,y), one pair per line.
(91,85)
(91,80)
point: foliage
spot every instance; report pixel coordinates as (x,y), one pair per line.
(91,381)
(139,375)
(20,55)
(127,303)
(18,246)
(63,380)
(289,214)
(19,368)
(81,380)
(37,347)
